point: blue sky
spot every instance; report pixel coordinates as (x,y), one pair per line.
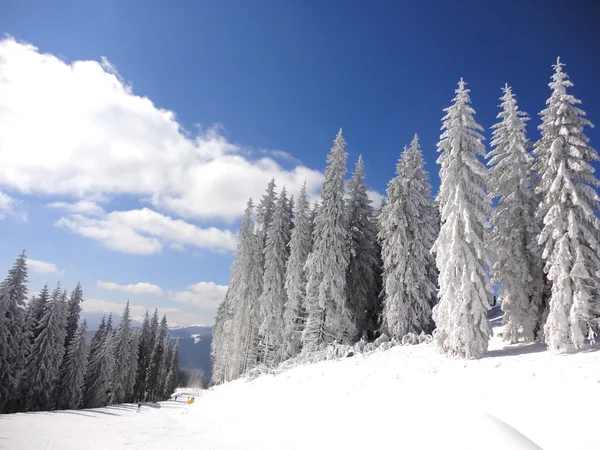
(255,89)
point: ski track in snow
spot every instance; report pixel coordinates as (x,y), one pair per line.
(403,398)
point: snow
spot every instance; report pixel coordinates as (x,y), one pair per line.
(403,398)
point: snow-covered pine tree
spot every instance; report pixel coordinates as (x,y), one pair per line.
(173,373)
(155,368)
(513,239)
(273,295)
(264,212)
(361,285)
(300,246)
(42,369)
(133,368)
(570,233)
(72,378)
(245,289)
(74,311)
(292,209)
(143,356)
(328,317)
(221,334)
(97,382)
(14,344)
(461,256)
(408,231)
(124,358)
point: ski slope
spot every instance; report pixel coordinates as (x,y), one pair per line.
(518,397)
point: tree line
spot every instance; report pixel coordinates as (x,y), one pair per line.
(521,216)
(46,362)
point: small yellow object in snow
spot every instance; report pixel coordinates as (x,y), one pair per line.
(190,401)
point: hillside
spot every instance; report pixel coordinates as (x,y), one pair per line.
(402,398)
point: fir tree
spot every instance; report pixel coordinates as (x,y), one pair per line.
(221,335)
(143,358)
(173,370)
(295,279)
(513,234)
(328,317)
(35,311)
(361,286)
(42,369)
(273,295)
(14,345)
(70,391)
(97,376)
(74,311)
(124,359)
(408,231)
(155,369)
(569,236)
(461,257)
(246,287)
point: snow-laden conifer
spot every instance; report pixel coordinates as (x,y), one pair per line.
(328,316)
(569,205)
(42,369)
(74,311)
(273,296)
(143,358)
(221,334)
(463,329)
(124,358)
(35,311)
(245,290)
(156,368)
(14,345)
(97,382)
(295,278)
(361,285)
(173,370)
(72,377)
(408,230)
(513,234)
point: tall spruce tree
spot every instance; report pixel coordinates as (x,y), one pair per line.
(144,351)
(273,296)
(14,344)
(300,246)
(35,311)
(569,205)
(156,367)
(221,335)
(461,256)
(74,312)
(513,233)
(124,359)
(329,317)
(408,231)
(361,284)
(246,288)
(173,370)
(97,376)
(72,377)
(42,369)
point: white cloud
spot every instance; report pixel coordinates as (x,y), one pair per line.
(94,138)
(175,317)
(138,288)
(43,267)
(144,231)
(86,207)
(375,197)
(206,295)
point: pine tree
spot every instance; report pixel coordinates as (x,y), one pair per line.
(155,369)
(246,287)
(273,295)
(408,231)
(295,279)
(72,378)
(97,375)
(143,357)
(329,317)
(461,257)
(14,345)
(513,238)
(570,236)
(264,212)
(35,311)
(42,369)
(361,285)
(221,336)
(173,370)
(74,311)
(124,359)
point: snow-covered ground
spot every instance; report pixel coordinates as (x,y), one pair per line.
(403,398)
